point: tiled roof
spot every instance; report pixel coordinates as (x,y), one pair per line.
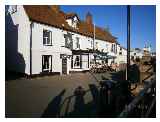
(44,14)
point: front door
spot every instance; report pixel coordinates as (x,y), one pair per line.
(64,65)
(46,63)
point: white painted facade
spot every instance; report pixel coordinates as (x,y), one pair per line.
(121,55)
(136,53)
(30,46)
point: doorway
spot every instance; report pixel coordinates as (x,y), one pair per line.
(64,65)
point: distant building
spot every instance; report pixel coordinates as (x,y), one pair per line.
(136,53)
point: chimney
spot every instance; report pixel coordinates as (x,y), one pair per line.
(55,8)
(89,18)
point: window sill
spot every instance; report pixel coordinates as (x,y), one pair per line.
(47,45)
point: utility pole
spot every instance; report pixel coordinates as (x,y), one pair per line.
(128,43)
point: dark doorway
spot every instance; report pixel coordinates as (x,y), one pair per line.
(64,65)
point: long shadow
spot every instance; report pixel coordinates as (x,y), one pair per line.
(53,107)
(79,105)
(14,60)
(95,94)
(134,74)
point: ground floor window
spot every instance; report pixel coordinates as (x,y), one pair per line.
(80,61)
(46,63)
(85,61)
(77,61)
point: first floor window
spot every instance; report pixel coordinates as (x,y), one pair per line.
(47,37)
(68,40)
(91,44)
(96,45)
(77,43)
(112,48)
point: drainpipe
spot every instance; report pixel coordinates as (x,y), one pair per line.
(128,43)
(31,25)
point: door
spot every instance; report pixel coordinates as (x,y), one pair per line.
(46,63)
(64,65)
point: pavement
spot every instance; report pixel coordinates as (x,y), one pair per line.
(30,97)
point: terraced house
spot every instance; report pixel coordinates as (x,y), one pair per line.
(44,39)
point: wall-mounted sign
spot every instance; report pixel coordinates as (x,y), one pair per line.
(62,56)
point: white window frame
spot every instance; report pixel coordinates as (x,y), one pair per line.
(49,63)
(75,62)
(46,39)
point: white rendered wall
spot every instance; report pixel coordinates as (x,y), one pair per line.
(38,49)
(22,43)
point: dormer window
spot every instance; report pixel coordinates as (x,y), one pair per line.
(72,20)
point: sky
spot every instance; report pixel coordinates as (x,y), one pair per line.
(143,22)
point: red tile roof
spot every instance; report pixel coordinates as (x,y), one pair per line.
(45,15)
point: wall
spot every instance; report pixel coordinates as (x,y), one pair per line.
(17,41)
(38,49)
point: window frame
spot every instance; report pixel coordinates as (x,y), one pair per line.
(50,38)
(68,38)
(49,63)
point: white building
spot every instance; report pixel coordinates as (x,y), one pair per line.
(136,53)
(44,39)
(121,55)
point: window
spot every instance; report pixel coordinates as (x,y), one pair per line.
(47,38)
(112,48)
(120,48)
(13,9)
(77,61)
(91,44)
(107,47)
(46,63)
(96,45)
(77,43)
(115,48)
(68,41)
(120,53)
(85,61)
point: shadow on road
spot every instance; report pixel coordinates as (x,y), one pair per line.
(53,107)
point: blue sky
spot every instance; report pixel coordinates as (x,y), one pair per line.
(143,22)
